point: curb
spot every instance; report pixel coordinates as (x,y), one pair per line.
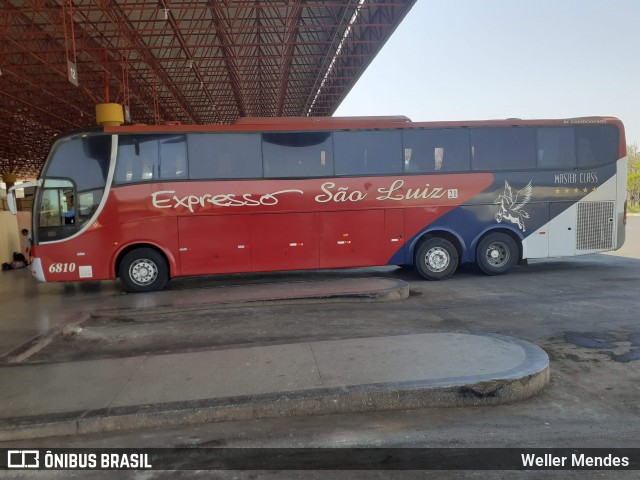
(515,385)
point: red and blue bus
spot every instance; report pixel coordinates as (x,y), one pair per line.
(150,203)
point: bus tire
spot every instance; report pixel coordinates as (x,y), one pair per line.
(496,254)
(143,270)
(436,259)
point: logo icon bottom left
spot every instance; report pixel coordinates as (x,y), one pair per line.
(23,459)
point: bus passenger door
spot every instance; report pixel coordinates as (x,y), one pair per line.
(284,241)
(214,244)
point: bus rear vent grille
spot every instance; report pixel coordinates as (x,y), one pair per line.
(595,226)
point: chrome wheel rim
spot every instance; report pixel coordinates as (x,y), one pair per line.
(497,254)
(437,259)
(143,272)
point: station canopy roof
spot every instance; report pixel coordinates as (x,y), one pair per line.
(186,61)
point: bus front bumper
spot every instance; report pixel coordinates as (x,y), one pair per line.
(37,271)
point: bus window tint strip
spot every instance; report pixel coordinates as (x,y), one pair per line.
(211,156)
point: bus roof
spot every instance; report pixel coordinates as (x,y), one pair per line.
(259,124)
(319,120)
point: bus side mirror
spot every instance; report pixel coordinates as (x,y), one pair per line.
(11,201)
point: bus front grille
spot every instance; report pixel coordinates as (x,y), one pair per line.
(595,226)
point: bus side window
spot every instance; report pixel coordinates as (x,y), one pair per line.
(224,155)
(172,160)
(50,209)
(368,153)
(137,158)
(436,150)
(556,147)
(297,154)
(596,145)
(503,148)
(87,203)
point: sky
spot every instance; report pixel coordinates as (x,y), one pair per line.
(487,59)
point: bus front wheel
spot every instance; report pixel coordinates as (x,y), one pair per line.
(497,253)
(436,259)
(143,270)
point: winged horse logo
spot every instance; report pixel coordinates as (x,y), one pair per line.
(511,205)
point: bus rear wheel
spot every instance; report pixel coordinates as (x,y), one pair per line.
(436,259)
(496,254)
(143,270)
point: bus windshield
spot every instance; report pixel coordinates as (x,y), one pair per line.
(74,180)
